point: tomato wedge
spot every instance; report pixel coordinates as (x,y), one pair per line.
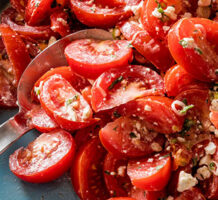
(87,176)
(19,58)
(44,159)
(194,45)
(126,137)
(177,80)
(147,173)
(157,113)
(41,121)
(95,15)
(64,104)
(151,48)
(90,58)
(115,176)
(129,83)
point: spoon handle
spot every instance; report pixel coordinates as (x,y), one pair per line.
(12,130)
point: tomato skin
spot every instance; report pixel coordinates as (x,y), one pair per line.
(193,193)
(158,110)
(72,116)
(36,32)
(41,121)
(141,81)
(86,175)
(121,198)
(214,118)
(23,165)
(59,23)
(203,64)
(90,58)
(98,17)
(118,184)
(145,175)
(19,58)
(177,80)
(19,6)
(151,48)
(116,138)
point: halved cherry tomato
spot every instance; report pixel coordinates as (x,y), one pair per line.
(41,121)
(77,82)
(194,45)
(214,118)
(64,104)
(90,58)
(44,159)
(129,83)
(193,193)
(35,32)
(150,174)
(157,113)
(19,58)
(87,94)
(121,198)
(115,176)
(177,80)
(126,137)
(59,23)
(151,48)
(95,15)
(87,176)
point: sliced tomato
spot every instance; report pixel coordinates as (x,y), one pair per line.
(151,48)
(19,58)
(41,121)
(87,94)
(19,5)
(214,118)
(64,104)
(87,176)
(115,176)
(44,159)
(193,193)
(177,80)
(77,82)
(126,137)
(155,18)
(147,173)
(96,15)
(157,113)
(8,17)
(90,58)
(121,198)
(129,83)
(201,101)
(59,23)
(194,45)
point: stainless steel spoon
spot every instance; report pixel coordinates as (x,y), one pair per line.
(51,57)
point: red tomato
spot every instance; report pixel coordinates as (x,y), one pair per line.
(90,58)
(147,173)
(194,45)
(41,121)
(87,176)
(36,32)
(59,23)
(177,80)
(19,58)
(126,137)
(156,112)
(77,82)
(44,159)
(115,176)
(64,104)
(87,95)
(121,198)
(19,5)
(152,49)
(129,83)
(193,193)
(214,118)
(95,15)
(154,25)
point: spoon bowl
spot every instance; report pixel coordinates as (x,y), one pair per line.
(51,57)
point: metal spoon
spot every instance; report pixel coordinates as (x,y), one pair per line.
(51,57)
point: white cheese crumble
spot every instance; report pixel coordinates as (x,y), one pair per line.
(156,13)
(156,147)
(186,181)
(210,149)
(170,12)
(203,173)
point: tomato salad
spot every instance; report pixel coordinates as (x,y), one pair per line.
(134,118)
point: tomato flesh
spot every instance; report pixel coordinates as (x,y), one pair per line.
(44,159)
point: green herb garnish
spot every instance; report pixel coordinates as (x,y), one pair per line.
(115,82)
